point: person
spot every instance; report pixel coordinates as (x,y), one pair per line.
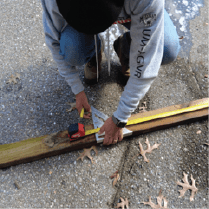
(72,28)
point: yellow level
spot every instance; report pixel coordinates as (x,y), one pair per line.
(160,115)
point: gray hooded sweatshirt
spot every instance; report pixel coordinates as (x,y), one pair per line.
(146,49)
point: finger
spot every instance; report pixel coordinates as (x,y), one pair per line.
(120,137)
(86,116)
(110,139)
(115,141)
(87,107)
(101,130)
(105,142)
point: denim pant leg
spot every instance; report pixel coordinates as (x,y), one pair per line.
(171,40)
(77,48)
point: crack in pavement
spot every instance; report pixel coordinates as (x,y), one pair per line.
(123,161)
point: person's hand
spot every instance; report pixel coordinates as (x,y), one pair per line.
(81,101)
(113,134)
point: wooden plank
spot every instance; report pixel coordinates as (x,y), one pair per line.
(35,149)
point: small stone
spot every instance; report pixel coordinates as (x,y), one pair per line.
(185,149)
(198,132)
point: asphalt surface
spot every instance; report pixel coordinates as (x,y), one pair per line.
(36,106)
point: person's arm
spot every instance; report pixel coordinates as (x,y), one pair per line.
(51,18)
(54,24)
(146,53)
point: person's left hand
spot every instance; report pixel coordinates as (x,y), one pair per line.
(113,134)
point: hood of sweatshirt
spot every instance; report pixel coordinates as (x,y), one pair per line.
(90,16)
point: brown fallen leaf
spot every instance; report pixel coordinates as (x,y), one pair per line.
(187,186)
(143,109)
(87,153)
(16,185)
(116,179)
(114,175)
(145,104)
(73,106)
(13,78)
(123,203)
(148,150)
(50,172)
(198,132)
(159,201)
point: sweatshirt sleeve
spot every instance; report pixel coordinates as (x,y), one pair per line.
(146,53)
(51,17)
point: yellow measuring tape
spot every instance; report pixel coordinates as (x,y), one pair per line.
(160,115)
(82,113)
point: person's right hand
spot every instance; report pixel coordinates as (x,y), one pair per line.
(81,101)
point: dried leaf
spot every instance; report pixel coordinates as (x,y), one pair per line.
(148,150)
(13,78)
(198,132)
(116,179)
(142,109)
(73,106)
(50,172)
(114,175)
(16,185)
(123,203)
(159,201)
(187,186)
(87,153)
(145,104)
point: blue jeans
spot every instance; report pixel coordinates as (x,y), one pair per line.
(78,48)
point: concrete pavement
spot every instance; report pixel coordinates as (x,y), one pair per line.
(36,106)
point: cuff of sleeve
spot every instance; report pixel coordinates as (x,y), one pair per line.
(77,87)
(121,115)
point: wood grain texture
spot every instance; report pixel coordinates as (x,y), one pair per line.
(34,148)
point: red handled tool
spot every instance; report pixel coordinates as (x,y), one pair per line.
(75,131)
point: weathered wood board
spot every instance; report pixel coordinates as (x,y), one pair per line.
(35,148)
